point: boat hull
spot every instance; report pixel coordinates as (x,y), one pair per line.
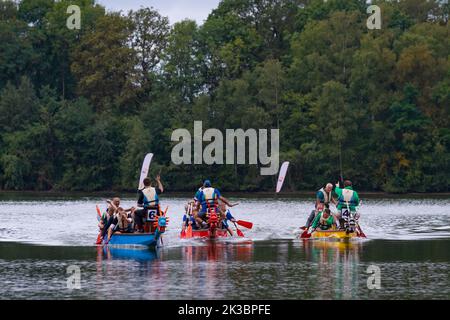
(207,234)
(334,235)
(135,239)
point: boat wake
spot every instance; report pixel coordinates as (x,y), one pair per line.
(73,223)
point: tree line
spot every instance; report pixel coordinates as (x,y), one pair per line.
(79,109)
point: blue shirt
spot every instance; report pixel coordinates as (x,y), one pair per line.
(229,217)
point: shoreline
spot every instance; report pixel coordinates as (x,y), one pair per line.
(187,194)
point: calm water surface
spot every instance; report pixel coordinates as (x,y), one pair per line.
(409,241)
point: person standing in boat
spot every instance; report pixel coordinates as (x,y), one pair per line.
(323,199)
(148,202)
(348,201)
(208,198)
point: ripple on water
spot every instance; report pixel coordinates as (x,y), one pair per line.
(74,223)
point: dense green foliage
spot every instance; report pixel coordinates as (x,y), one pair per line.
(79,109)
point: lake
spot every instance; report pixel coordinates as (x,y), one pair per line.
(407,252)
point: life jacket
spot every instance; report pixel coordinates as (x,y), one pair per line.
(197,194)
(210,198)
(347,197)
(326,196)
(150,197)
(323,223)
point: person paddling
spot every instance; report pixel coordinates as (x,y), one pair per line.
(148,201)
(324,221)
(348,201)
(108,218)
(323,199)
(118,220)
(228,217)
(188,218)
(195,208)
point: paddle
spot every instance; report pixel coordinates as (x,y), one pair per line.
(305,234)
(99,213)
(362,234)
(282,176)
(187,232)
(239,232)
(358,227)
(183,232)
(245,224)
(99,217)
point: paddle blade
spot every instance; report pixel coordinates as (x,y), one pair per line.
(305,235)
(245,224)
(239,233)
(145,169)
(189,232)
(282,176)
(99,213)
(183,234)
(361,233)
(99,239)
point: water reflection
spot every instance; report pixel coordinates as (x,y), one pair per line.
(263,270)
(338,267)
(109,253)
(217,251)
(208,268)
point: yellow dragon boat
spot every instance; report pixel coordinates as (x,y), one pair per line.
(334,234)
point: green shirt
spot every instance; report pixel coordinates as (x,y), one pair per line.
(328,223)
(353,202)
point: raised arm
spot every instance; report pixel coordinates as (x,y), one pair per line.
(160,186)
(112,205)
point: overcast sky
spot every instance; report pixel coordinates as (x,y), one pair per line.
(176,10)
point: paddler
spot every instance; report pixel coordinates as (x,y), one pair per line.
(228,217)
(323,221)
(108,218)
(208,199)
(323,199)
(188,217)
(195,208)
(348,201)
(119,218)
(148,201)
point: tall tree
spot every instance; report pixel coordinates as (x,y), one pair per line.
(182,60)
(149,39)
(103,65)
